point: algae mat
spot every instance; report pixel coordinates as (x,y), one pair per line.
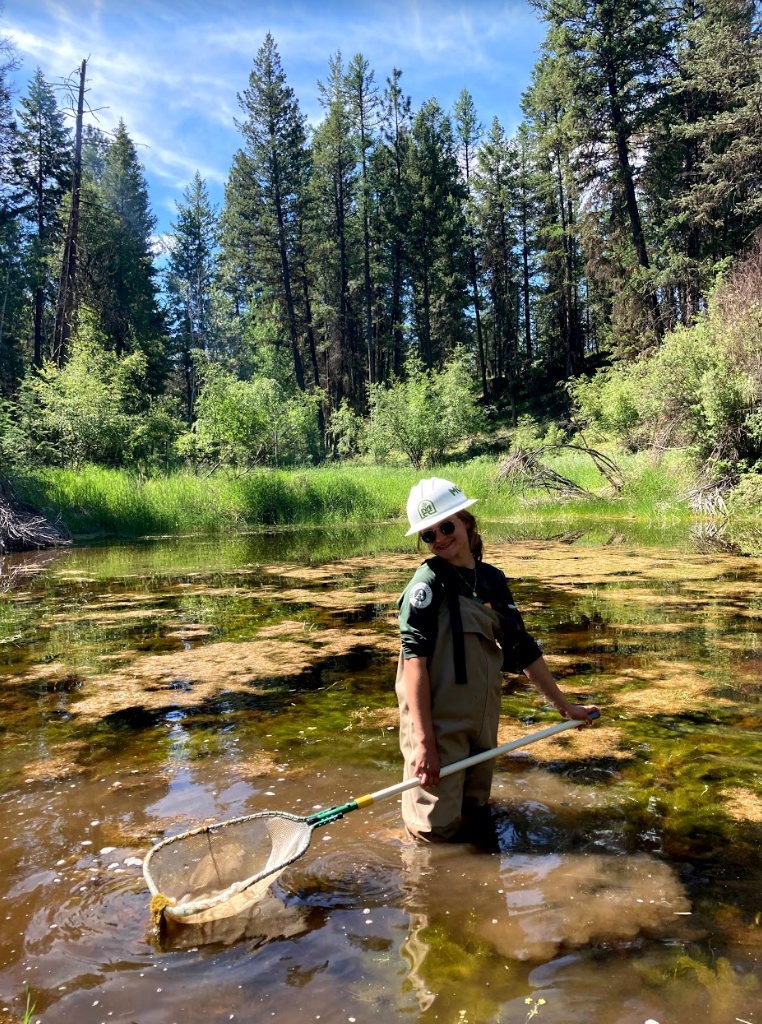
(145,689)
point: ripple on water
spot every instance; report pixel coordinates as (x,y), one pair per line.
(100,905)
(344,875)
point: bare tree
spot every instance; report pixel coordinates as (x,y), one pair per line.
(67,289)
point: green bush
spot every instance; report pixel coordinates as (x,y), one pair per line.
(745,500)
(529,434)
(611,403)
(700,391)
(425,415)
(244,423)
(345,431)
(96,409)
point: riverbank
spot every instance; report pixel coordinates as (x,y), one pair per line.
(96,502)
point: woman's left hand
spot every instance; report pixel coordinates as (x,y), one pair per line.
(586,713)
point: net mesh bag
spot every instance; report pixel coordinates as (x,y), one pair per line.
(219,870)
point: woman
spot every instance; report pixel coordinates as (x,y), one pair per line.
(455,616)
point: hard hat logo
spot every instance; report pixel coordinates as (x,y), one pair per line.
(432,501)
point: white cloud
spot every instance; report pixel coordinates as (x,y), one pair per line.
(166,159)
(138,86)
(171,70)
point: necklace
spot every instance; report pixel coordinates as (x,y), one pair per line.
(471,587)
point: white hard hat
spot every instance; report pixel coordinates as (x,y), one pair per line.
(433,500)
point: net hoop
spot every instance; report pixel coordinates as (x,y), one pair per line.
(189,912)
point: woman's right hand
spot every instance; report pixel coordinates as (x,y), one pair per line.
(426,765)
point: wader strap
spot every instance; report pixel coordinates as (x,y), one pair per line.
(448,577)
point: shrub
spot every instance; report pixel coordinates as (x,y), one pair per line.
(701,390)
(611,404)
(345,430)
(94,409)
(244,423)
(424,415)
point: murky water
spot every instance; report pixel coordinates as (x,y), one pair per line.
(147,688)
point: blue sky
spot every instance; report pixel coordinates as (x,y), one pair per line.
(172,69)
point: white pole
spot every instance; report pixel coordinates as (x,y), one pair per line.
(459,766)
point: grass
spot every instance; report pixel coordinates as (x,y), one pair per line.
(100,502)
(30,1006)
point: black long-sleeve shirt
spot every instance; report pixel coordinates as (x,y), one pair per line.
(421,600)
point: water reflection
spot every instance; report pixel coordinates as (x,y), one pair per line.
(270,920)
(145,688)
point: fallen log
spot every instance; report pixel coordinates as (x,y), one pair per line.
(524,470)
(24,527)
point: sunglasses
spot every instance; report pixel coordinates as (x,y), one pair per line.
(447,529)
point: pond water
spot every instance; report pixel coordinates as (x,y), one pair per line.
(151,687)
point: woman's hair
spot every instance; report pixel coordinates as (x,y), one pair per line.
(474,537)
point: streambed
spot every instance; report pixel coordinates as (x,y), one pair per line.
(146,688)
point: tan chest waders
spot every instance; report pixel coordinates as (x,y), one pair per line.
(465,719)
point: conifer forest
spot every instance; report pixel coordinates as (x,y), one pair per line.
(393,280)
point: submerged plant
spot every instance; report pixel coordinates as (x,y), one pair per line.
(534,1007)
(30,1006)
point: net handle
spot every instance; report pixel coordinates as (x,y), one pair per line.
(468,762)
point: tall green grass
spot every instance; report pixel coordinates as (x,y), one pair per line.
(30,1006)
(97,502)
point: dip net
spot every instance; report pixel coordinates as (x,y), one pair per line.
(219,870)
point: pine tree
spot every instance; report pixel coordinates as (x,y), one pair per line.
(304,224)
(12,269)
(604,55)
(95,147)
(262,199)
(42,166)
(191,269)
(494,188)
(67,304)
(718,86)
(118,275)
(124,187)
(362,97)
(393,211)
(436,235)
(560,265)
(240,272)
(9,61)
(335,151)
(469,131)
(525,200)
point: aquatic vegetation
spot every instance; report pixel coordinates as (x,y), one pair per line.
(714,981)
(14,618)
(450,969)
(193,677)
(534,1007)
(163,684)
(30,1006)
(579,745)
(743,804)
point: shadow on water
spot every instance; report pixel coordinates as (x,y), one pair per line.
(147,688)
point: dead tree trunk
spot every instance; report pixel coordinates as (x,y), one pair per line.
(67,290)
